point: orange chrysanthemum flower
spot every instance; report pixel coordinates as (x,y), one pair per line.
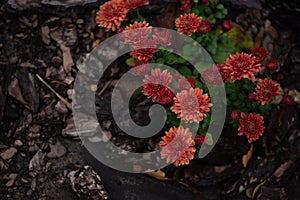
(155,82)
(209,76)
(162,38)
(177,146)
(186,102)
(143,54)
(204,27)
(111,14)
(135,3)
(139,36)
(188,23)
(266,90)
(251,125)
(241,65)
(224,73)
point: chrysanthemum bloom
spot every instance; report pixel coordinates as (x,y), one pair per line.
(135,3)
(204,1)
(188,23)
(155,82)
(139,36)
(209,76)
(251,125)
(185,5)
(186,103)
(165,96)
(224,73)
(111,14)
(272,64)
(241,65)
(140,68)
(234,115)
(162,38)
(185,84)
(177,146)
(204,27)
(266,90)
(260,54)
(227,25)
(143,54)
(200,139)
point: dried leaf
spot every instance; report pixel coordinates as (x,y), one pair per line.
(257,188)
(247,156)
(295,95)
(67,58)
(158,174)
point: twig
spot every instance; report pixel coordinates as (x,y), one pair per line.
(105,87)
(58,95)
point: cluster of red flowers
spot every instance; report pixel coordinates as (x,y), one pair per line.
(137,35)
(113,12)
(190,23)
(177,146)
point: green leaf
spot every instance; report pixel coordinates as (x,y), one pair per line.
(209,139)
(185,71)
(130,62)
(219,15)
(160,61)
(180,60)
(220,6)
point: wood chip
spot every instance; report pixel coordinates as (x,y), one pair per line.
(67,58)
(12,178)
(57,150)
(9,153)
(247,156)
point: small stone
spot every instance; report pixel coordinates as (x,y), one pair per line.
(35,128)
(13,59)
(18,143)
(79,21)
(57,150)
(12,178)
(9,153)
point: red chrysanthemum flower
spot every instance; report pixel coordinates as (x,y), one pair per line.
(138,37)
(266,90)
(162,38)
(165,96)
(155,82)
(143,54)
(186,103)
(177,146)
(260,54)
(227,25)
(234,115)
(204,27)
(185,84)
(224,73)
(185,5)
(251,125)
(200,139)
(111,14)
(140,68)
(188,23)
(135,3)
(241,65)
(272,64)
(204,1)
(209,76)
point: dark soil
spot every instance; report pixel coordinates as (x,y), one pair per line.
(39,146)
